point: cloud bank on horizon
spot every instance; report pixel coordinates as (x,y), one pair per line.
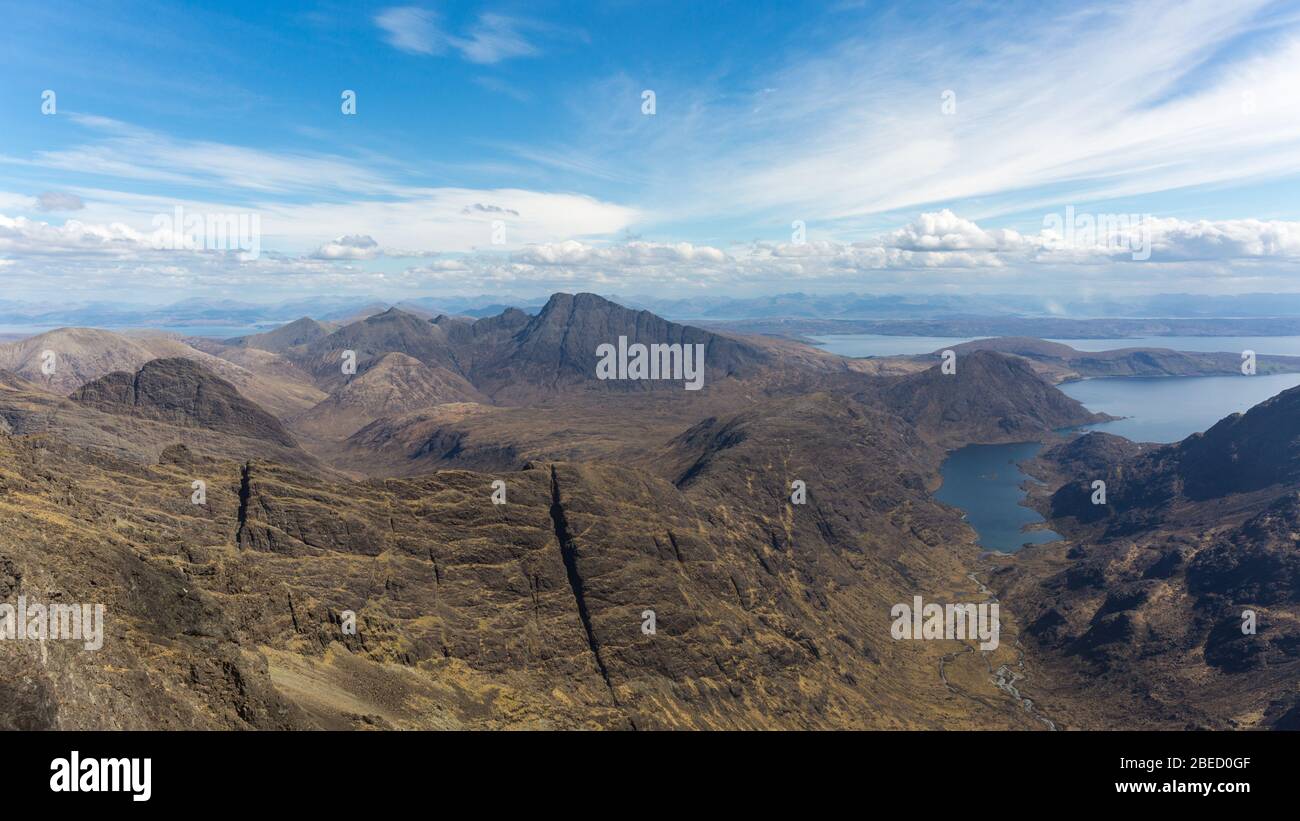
(396,149)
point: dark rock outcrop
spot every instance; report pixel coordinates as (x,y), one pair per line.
(182,392)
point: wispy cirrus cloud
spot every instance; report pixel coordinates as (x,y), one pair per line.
(495,37)
(1083,104)
(125,152)
(491,38)
(843,127)
(412,29)
(302,198)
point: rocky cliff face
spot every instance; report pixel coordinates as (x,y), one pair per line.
(557,348)
(392,331)
(178,390)
(515,358)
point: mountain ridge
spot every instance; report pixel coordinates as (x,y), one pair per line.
(178,389)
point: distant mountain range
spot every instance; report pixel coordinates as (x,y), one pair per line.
(1188,314)
(199,314)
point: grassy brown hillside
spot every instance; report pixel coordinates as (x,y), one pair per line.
(619,503)
(81,355)
(390,385)
(472,614)
(990,397)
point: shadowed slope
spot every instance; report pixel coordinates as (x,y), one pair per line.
(178,390)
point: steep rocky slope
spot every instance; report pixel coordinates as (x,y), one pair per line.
(1242,454)
(472,614)
(391,385)
(1152,596)
(392,331)
(180,391)
(545,366)
(40,416)
(515,358)
(557,349)
(619,502)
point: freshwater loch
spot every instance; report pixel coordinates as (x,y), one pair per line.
(984,482)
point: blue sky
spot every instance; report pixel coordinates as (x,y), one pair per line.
(860,146)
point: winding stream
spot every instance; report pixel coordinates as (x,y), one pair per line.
(1005,677)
